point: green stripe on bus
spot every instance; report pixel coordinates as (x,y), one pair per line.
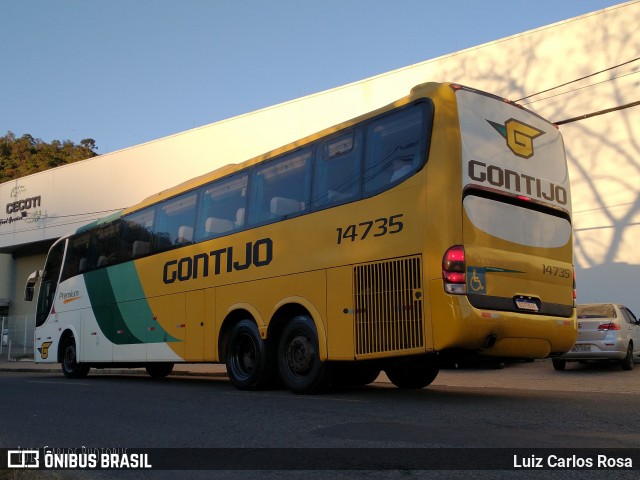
(121,308)
(133,305)
(105,308)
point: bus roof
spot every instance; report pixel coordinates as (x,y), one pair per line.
(417,92)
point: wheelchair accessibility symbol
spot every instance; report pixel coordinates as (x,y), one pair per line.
(476,280)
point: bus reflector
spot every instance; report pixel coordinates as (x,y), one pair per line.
(453,271)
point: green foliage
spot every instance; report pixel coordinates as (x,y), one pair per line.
(26,155)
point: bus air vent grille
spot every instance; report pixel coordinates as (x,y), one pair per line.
(388,306)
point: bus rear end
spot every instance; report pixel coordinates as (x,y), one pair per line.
(510,280)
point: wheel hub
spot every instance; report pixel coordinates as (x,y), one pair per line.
(246,356)
(70,356)
(299,355)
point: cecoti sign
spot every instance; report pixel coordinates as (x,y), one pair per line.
(24,204)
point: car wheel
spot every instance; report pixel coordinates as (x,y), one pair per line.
(627,361)
(558,364)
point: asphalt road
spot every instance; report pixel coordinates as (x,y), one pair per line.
(592,407)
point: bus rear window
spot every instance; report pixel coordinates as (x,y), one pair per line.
(516,224)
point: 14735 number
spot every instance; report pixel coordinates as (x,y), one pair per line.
(556,271)
(375,228)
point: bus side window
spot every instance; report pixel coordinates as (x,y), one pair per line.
(104,245)
(337,173)
(76,260)
(136,234)
(174,222)
(222,207)
(393,148)
(280,189)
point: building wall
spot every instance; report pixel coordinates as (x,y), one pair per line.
(603,152)
(24,266)
(6,281)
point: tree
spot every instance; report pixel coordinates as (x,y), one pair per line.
(89,143)
(26,155)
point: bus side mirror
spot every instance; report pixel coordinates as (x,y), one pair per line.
(30,287)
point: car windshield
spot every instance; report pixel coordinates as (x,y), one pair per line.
(596,311)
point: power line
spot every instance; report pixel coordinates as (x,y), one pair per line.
(606,227)
(595,114)
(579,79)
(591,114)
(606,207)
(582,88)
(92,216)
(83,214)
(54,225)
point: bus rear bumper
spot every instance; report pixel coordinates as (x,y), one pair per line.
(456,324)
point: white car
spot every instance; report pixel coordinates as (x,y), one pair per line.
(606,331)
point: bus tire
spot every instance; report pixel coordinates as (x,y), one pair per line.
(159,370)
(299,364)
(250,364)
(409,376)
(70,367)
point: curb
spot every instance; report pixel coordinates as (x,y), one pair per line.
(110,371)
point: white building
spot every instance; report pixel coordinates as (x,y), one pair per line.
(569,69)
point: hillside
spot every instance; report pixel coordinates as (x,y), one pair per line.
(26,155)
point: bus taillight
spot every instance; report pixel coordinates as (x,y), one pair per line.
(453,270)
(575,293)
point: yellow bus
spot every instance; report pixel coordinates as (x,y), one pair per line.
(437,226)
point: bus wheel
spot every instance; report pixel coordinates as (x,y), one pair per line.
(70,367)
(248,358)
(412,376)
(299,357)
(159,370)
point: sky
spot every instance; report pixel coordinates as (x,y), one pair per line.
(125,72)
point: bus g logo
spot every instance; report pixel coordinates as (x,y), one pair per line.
(519,136)
(44,349)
